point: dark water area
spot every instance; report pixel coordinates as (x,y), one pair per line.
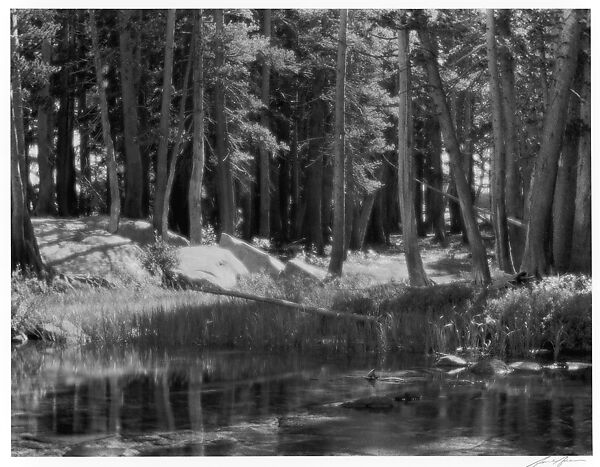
(86,402)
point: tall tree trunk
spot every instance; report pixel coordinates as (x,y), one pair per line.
(66,196)
(224,178)
(133,159)
(265,171)
(416,271)
(163,147)
(115,199)
(513,196)
(24,249)
(176,146)
(46,188)
(339,168)
(314,171)
(581,253)
(480,271)
(418,170)
(498,162)
(85,170)
(436,200)
(195,188)
(535,259)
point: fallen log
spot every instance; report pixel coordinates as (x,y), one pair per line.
(213,290)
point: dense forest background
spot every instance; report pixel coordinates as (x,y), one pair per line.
(315,127)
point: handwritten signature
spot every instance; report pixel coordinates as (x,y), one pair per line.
(554,461)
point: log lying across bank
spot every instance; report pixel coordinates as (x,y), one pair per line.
(282,302)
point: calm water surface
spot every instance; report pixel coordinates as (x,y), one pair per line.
(194,402)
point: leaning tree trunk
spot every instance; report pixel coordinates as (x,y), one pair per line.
(195,188)
(264,229)
(224,178)
(535,259)
(480,271)
(339,169)
(581,255)
(115,199)
(163,147)
(416,271)
(513,196)
(498,162)
(133,159)
(175,149)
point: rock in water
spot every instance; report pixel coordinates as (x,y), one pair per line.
(526,367)
(450,361)
(408,396)
(371,402)
(490,367)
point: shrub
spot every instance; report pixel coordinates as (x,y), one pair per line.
(556,313)
(160,259)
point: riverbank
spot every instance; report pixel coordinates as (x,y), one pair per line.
(553,315)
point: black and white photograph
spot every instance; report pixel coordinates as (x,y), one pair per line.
(289,230)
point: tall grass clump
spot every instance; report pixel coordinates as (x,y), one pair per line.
(160,259)
(555,313)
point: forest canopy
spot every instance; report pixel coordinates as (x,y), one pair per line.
(315,127)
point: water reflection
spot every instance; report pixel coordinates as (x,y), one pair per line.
(82,402)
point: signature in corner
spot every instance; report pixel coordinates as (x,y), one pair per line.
(554,461)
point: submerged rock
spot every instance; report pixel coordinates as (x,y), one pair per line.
(253,258)
(490,367)
(371,402)
(526,367)
(450,361)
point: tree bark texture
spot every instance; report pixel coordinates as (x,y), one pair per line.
(195,187)
(265,171)
(163,147)
(339,167)
(224,177)
(535,258)
(115,198)
(513,188)
(406,179)
(498,161)
(435,200)
(480,271)
(133,160)
(581,254)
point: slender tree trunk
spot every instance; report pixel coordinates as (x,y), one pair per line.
(224,178)
(436,200)
(535,260)
(481,273)
(339,168)
(581,253)
(195,188)
(416,271)
(265,172)
(44,204)
(85,170)
(418,170)
(115,199)
(314,171)
(498,163)
(163,147)
(176,146)
(133,159)
(513,196)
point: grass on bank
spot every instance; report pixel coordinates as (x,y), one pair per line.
(554,314)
